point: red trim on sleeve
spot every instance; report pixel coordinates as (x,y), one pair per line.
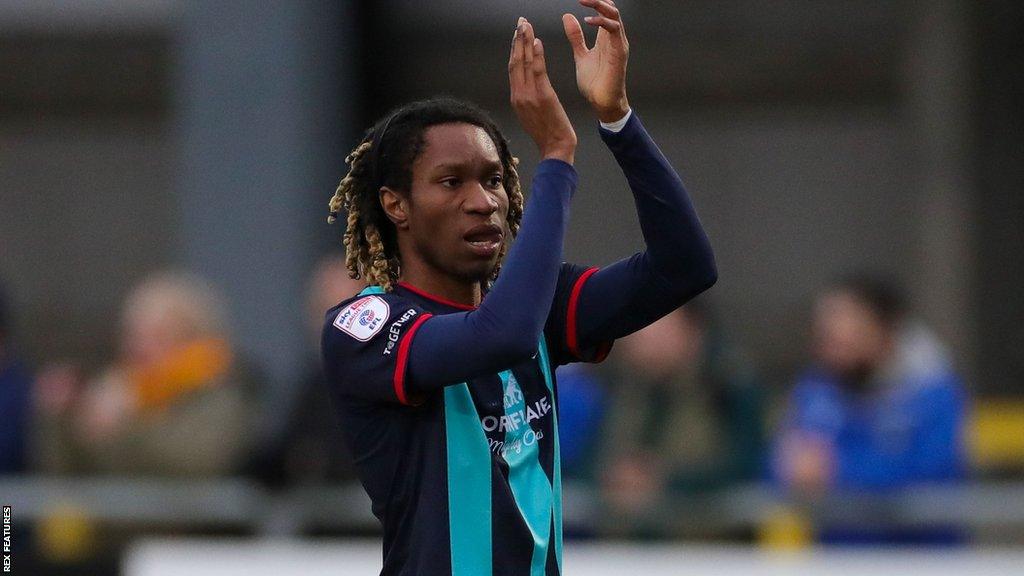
(570,319)
(403,358)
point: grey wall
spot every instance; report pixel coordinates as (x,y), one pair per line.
(86,209)
(258,121)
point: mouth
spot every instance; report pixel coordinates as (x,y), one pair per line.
(484,240)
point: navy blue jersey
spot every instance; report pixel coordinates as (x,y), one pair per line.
(465,480)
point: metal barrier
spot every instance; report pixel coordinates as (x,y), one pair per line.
(242,504)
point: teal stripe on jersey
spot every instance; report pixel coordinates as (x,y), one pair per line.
(371,290)
(557,467)
(469,484)
(530,485)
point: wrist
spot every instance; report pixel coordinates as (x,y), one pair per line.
(614,113)
(564,151)
(617,126)
(568,156)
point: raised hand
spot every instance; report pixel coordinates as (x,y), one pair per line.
(535,101)
(601,70)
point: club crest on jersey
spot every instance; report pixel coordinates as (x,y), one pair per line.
(363,318)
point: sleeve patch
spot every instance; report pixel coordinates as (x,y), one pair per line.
(364,318)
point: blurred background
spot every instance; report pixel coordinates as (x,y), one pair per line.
(852,383)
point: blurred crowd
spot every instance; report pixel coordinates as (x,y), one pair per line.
(679,410)
(177,400)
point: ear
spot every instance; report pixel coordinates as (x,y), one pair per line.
(395,207)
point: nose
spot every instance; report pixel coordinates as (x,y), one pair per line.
(480,201)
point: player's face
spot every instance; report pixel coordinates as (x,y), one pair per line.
(458,203)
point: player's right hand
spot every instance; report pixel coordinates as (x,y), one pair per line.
(535,101)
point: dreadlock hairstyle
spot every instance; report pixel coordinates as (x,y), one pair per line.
(385,158)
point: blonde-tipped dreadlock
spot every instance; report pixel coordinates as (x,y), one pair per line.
(364,251)
(370,246)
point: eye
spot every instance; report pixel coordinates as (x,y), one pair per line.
(450,182)
(496,181)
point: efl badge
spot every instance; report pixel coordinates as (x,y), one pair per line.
(363,318)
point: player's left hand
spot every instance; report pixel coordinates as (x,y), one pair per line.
(601,70)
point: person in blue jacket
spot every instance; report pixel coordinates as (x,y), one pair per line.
(442,369)
(881,409)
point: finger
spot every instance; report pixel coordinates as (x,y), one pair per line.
(540,67)
(515,67)
(606,9)
(603,8)
(528,48)
(528,37)
(609,25)
(574,32)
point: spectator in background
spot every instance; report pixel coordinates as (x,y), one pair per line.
(311,449)
(172,404)
(15,399)
(685,417)
(881,408)
(581,409)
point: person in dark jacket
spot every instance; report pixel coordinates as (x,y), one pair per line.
(686,417)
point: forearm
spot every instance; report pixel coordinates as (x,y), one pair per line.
(677,262)
(676,243)
(507,325)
